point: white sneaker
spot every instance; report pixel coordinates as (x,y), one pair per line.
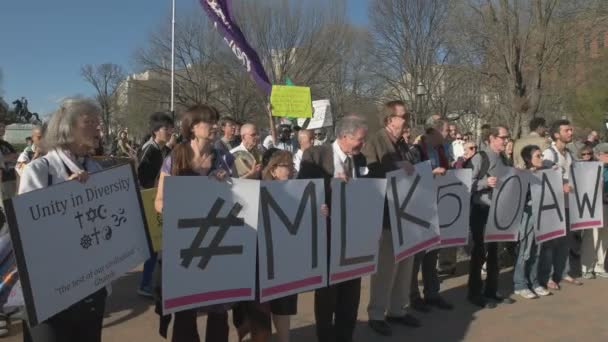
(527,294)
(541,291)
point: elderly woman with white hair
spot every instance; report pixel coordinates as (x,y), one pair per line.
(71,135)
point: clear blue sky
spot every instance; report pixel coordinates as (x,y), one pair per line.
(43,43)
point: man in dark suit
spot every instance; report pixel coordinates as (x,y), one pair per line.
(336,306)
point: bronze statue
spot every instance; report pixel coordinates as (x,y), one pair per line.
(23,114)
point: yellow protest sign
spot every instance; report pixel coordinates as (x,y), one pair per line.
(291,101)
(154,219)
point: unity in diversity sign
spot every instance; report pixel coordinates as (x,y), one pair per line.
(72,239)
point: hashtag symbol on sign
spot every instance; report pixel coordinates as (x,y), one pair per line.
(204,224)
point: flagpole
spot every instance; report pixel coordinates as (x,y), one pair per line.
(173,58)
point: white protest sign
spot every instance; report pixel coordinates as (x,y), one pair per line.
(356,225)
(508,204)
(454,206)
(209,241)
(585,199)
(292,238)
(72,239)
(321,116)
(548,205)
(412,203)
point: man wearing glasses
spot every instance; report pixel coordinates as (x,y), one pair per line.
(485,164)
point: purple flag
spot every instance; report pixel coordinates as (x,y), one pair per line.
(220,13)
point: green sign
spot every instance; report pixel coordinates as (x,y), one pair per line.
(291,101)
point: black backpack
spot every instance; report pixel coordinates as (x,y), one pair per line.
(485,163)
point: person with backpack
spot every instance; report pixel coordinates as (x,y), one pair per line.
(150,158)
(431,147)
(485,165)
(560,258)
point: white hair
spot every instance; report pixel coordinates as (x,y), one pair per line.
(349,125)
(63,120)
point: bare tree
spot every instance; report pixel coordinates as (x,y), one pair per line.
(299,40)
(411,48)
(106,79)
(519,43)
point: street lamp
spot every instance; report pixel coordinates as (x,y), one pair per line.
(420,92)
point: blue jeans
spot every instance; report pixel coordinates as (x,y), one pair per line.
(146,275)
(554,257)
(525,272)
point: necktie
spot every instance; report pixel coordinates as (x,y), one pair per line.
(348,167)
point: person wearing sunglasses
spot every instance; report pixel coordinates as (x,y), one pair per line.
(585,153)
(469,150)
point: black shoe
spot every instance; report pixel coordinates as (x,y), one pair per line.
(381,327)
(500,299)
(481,302)
(407,320)
(419,305)
(439,303)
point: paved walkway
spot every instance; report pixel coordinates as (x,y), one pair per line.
(573,314)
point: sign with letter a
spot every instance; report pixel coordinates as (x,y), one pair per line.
(209,241)
(548,205)
(412,203)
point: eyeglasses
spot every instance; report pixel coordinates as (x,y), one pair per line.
(586,154)
(503,137)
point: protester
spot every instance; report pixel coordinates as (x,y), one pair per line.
(592,139)
(585,153)
(336,305)
(481,143)
(457,146)
(229,140)
(555,257)
(9,175)
(390,285)
(537,137)
(124,148)
(509,152)
(485,164)
(196,156)
(248,155)
(305,141)
(70,136)
(320,137)
(151,158)
(278,165)
(430,148)
(31,152)
(595,241)
(285,141)
(469,149)
(525,272)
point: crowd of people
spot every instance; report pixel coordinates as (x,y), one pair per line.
(206,144)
